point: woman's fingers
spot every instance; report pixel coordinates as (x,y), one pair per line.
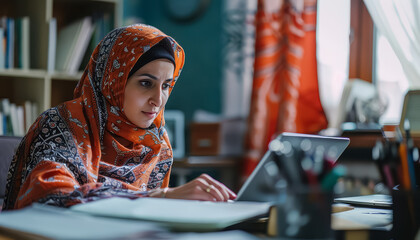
(225,191)
(209,189)
(203,188)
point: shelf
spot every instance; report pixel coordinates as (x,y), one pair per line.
(37,84)
(23,73)
(37,73)
(66,76)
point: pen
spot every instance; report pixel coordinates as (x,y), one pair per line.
(410,146)
(307,166)
(329,181)
(405,175)
(385,213)
(378,156)
(286,153)
(402,154)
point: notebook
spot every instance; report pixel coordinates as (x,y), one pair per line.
(374,200)
(259,185)
(176,214)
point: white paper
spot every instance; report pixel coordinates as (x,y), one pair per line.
(177,214)
(61,223)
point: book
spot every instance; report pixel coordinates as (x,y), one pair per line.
(10,50)
(48,222)
(22,40)
(52,44)
(2,54)
(72,43)
(28,115)
(82,45)
(14,119)
(1,124)
(20,120)
(7,123)
(35,111)
(176,214)
(3,41)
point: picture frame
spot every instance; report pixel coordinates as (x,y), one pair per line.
(174,125)
(410,112)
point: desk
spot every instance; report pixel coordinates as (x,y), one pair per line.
(60,223)
(362,139)
(363,224)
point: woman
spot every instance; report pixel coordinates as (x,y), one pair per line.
(110,139)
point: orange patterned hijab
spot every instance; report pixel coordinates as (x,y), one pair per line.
(72,153)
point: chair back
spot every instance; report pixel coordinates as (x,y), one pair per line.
(8,145)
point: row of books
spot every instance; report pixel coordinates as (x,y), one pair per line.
(16,119)
(69,48)
(72,47)
(14,42)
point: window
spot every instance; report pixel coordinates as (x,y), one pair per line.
(389,78)
(349,46)
(333,29)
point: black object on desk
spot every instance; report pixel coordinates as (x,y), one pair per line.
(406,213)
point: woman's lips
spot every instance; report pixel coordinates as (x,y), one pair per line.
(150,114)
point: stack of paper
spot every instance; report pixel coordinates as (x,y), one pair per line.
(180,215)
(47,222)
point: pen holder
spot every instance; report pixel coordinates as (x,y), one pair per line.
(406,213)
(305,214)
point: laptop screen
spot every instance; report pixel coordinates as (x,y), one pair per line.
(268,180)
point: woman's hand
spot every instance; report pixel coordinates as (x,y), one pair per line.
(203,188)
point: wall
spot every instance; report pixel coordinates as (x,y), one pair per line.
(199,86)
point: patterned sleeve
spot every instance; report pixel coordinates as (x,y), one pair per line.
(48,169)
(52,183)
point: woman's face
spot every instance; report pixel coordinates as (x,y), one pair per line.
(147,92)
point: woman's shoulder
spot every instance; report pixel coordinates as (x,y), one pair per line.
(61,116)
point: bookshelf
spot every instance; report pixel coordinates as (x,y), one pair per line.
(39,83)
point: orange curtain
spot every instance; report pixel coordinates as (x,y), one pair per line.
(285,95)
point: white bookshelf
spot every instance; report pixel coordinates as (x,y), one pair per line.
(37,84)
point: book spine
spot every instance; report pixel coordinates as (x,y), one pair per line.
(1,124)
(25,43)
(2,52)
(52,44)
(20,120)
(10,43)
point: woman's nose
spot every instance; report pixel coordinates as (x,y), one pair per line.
(156,97)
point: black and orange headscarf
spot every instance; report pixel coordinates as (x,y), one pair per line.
(71,153)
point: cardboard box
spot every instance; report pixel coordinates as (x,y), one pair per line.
(218,138)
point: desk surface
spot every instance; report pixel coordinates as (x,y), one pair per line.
(368,138)
(65,222)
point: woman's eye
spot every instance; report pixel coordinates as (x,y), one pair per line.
(145,83)
(166,86)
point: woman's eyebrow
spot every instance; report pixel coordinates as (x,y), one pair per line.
(154,77)
(148,75)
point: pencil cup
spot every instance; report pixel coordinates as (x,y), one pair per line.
(406,213)
(306,214)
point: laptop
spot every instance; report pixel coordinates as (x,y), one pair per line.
(266,181)
(374,200)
